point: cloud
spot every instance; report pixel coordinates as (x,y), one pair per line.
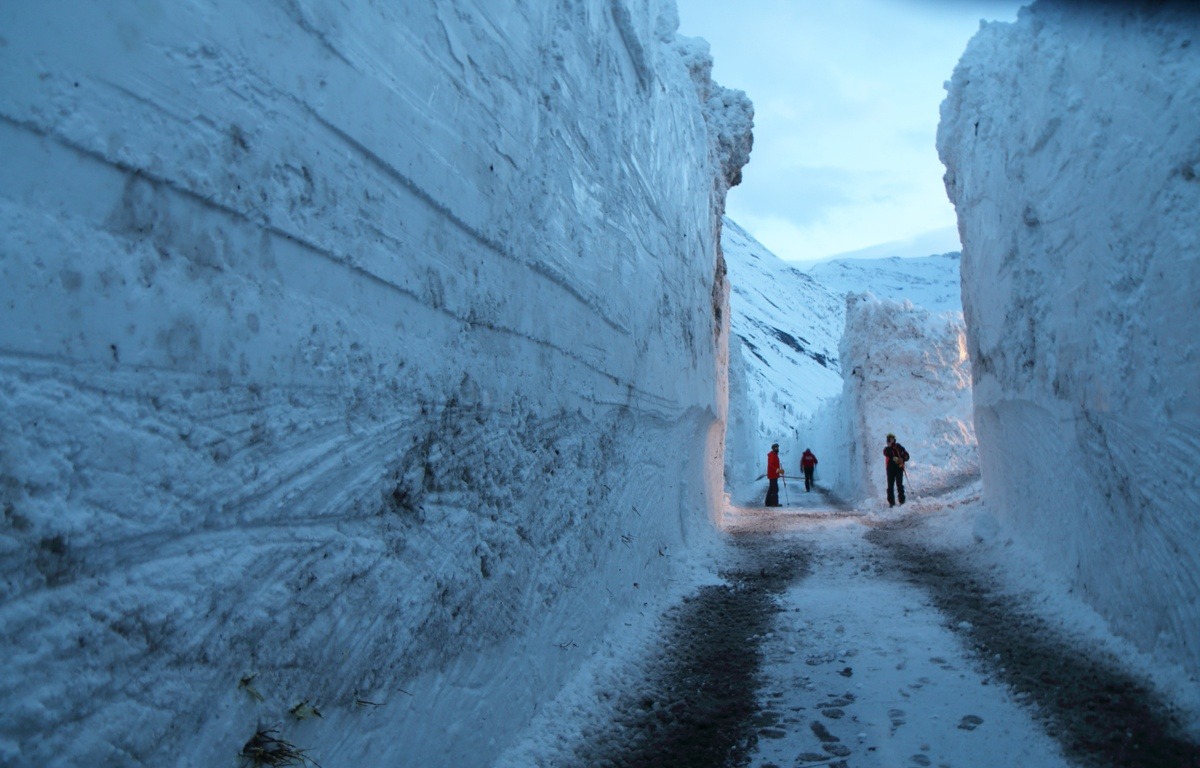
(933,242)
(801,195)
(847,99)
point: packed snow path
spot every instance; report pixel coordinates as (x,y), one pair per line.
(838,642)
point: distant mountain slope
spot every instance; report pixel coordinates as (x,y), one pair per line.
(788,324)
(931,282)
(935,241)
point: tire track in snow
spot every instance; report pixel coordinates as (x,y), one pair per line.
(863,671)
(697,703)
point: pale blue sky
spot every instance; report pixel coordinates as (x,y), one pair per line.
(846,97)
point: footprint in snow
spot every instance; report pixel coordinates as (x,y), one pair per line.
(970,722)
(837,701)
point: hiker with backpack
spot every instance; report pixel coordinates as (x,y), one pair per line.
(774,472)
(808,463)
(895,456)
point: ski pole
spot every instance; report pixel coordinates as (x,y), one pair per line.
(786,500)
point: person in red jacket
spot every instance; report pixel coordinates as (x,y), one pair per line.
(808,462)
(774,472)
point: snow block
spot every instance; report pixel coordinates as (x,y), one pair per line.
(905,371)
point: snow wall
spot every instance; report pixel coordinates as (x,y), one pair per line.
(369,357)
(906,372)
(1074,164)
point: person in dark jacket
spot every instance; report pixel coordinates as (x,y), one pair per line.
(895,456)
(808,462)
(774,472)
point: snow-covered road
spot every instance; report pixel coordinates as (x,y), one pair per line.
(840,638)
(860,669)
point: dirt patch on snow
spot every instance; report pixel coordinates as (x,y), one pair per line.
(1102,715)
(699,703)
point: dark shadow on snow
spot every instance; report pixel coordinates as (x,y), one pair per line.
(699,705)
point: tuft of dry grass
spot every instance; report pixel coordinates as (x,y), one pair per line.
(246,684)
(304,710)
(266,748)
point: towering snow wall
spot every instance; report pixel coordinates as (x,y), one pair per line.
(1069,139)
(906,372)
(367,357)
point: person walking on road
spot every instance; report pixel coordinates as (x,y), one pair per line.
(808,462)
(895,456)
(774,472)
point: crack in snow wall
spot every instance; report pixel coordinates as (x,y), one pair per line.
(366,357)
(1072,160)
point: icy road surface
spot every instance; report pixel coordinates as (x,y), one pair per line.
(840,640)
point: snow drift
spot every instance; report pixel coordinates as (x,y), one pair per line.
(1072,160)
(338,351)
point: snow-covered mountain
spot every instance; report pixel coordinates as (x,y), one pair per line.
(1071,157)
(919,246)
(367,358)
(786,326)
(932,282)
